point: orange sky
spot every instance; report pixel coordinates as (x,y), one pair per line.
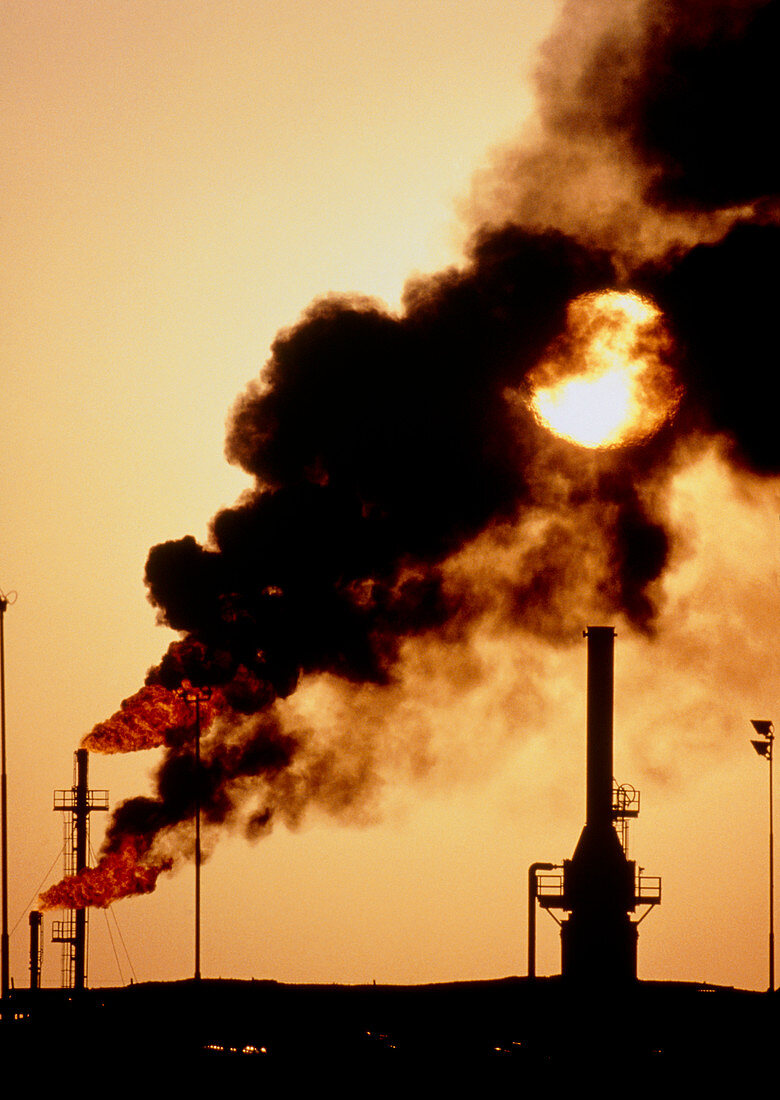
(179,181)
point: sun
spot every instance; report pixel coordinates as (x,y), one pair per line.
(606,382)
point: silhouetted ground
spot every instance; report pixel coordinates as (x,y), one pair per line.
(508,1030)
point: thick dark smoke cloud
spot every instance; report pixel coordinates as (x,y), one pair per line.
(687,88)
(654,128)
(699,106)
(387,447)
(381,446)
(721,300)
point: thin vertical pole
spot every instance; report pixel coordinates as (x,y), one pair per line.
(197,837)
(771,875)
(4,954)
(765,748)
(193,695)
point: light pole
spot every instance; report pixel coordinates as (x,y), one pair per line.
(766,732)
(5,600)
(197,696)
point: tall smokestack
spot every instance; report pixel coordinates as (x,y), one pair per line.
(601,650)
(598,939)
(599,887)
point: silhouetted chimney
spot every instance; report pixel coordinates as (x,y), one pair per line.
(598,938)
(599,887)
(36,949)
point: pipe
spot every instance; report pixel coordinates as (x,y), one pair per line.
(532,894)
(5,979)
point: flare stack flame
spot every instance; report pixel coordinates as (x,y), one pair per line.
(127,872)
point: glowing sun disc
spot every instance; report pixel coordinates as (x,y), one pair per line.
(594,412)
(606,382)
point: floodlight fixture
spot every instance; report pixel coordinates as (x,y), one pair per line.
(764,727)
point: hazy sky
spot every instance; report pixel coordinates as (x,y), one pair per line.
(180,180)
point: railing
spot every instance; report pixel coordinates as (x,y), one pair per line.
(64,931)
(648,890)
(549,890)
(68,800)
(625,801)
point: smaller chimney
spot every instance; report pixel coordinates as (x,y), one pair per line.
(36,949)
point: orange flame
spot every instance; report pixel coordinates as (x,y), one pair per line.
(127,872)
(144,720)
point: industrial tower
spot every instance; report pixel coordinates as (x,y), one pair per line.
(77,804)
(599,888)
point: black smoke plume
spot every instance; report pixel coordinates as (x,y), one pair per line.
(395,457)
